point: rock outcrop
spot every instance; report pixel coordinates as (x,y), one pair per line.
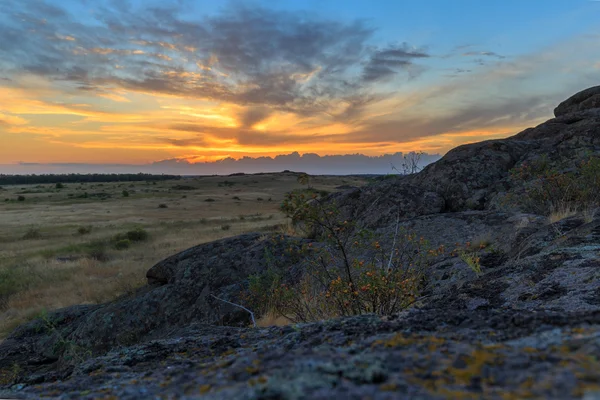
(529,326)
(585,100)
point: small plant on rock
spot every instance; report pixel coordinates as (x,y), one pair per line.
(351,271)
(557,191)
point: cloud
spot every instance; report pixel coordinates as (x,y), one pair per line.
(386,63)
(256,57)
(6,119)
(253,115)
(483,54)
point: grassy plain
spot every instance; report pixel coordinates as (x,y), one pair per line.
(57,245)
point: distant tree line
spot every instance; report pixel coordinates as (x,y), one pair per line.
(80,178)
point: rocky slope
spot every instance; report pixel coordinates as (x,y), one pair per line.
(529,326)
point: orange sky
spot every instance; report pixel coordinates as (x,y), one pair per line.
(42,124)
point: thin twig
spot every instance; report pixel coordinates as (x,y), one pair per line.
(237,305)
(394,244)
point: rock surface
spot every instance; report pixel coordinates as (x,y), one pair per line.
(529,326)
(584,100)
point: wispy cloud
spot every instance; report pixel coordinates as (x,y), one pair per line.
(296,62)
(482,54)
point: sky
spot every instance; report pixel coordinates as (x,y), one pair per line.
(172,82)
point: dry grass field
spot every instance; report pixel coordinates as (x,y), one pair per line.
(58,247)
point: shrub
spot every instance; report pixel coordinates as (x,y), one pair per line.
(12,280)
(125,193)
(472,259)
(353,271)
(236,198)
(21,198)
(162,205)
(97,251)
(124,240)
(556,190)
(122,244)
(59,186)
(137,235)
(209,200)
(183,187)
(226,184)
(84,230)
(226,227)
(32,234)
(134,235)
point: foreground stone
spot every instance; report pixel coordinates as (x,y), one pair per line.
(420,354)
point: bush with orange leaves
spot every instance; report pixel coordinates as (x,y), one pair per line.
(349,271)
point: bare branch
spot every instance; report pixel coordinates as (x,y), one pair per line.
(394,243)
(237,305)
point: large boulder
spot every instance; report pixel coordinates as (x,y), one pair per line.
(584,100)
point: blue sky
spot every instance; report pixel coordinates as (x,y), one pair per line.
(132,81)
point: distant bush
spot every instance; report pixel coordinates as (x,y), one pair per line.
(162,205)
(12,280)
(209,200)
(236,198)
(97,251)
(125,193)
(137,235)
(226,184)
(84,230)
(21,198)
(59,185)
(259,199)
(122,244)
(226,227)
(123,240)
(32,234)
(184,187)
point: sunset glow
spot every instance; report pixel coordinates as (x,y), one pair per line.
(136,82)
